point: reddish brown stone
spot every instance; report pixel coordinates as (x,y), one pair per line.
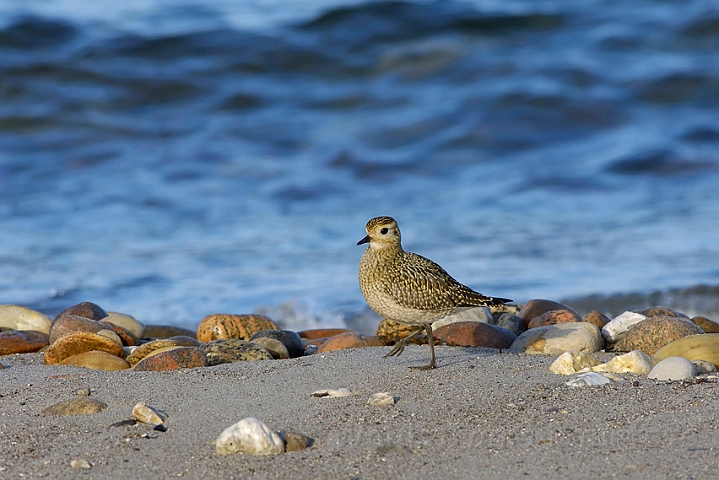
(84,309)
(174,359)
(147,348)
(393,331)
(96,360)
(474,334)
(80,342)
(167,331)
(22,341)
(661,312)
(322,333)
(225,326)
(709,326)
(653,333)
(343,341)
(537,307)
(597,318)
(554,317)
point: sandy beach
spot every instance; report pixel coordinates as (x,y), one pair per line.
(480,414)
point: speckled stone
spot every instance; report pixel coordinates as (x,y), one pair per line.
(709,326)
(597,318)
(653,333)
(16,317)
(147,348)
(554,317)
(174,359)
(661,312)
(84,309)
(22,341)
(76,406)
(537,307)
(226,326)
(67,324)
(559,338)
(234,350)
(80,342)
(474,334)
(393,331)
(290,339)
(167,331)
(96,360)
(348,340)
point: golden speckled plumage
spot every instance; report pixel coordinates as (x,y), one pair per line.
(406,287)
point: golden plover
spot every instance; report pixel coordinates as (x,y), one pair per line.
(408,288)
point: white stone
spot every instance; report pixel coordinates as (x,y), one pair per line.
(559,338)
(590,379)
(146,414)
(134,328)
(380,399)
(332,392)
(616,328)
(572,362)
(83,464)
(633,362)
(251,436)
(15,317)
(474,314)
(673,368)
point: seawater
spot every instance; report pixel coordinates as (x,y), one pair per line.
(170,158)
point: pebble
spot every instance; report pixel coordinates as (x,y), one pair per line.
(316,333)
(80,342)
(673,369)
(702,367)
(80,464)
(96,360)
(67,324)
(535,308)
(597,318)
(633,362)
(277,349)
(332,392)
(348,340)
(83,392)
(134,328)
(16,317)
(620,325)
(291,340)
(693,347)
(475,334)
(110,335)
(178,357)
(572,362)
(22,341)
(251,436)
(554,317)
(167,331)
(661,312)
(145,414)
(234,350)
(476,314)
(590,379)
(560,338)
(226,326)
(380,399)
(311,349)
(653,333)
(147,348)
(296,441)
(709,326)
(84,309)
(511,322)
(76,406)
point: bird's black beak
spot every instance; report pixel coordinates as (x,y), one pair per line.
(364,240)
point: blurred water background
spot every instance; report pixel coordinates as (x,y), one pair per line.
(174,158)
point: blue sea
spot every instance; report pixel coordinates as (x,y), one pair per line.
(173,158)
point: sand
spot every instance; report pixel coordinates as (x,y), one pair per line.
(480,414)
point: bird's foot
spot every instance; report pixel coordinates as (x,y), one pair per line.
(397,350)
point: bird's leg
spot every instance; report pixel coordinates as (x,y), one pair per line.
(433,362)
(399,346)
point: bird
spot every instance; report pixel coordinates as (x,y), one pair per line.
(409,288)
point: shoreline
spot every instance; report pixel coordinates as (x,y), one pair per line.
(480,414)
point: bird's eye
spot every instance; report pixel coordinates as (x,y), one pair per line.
(384,231)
